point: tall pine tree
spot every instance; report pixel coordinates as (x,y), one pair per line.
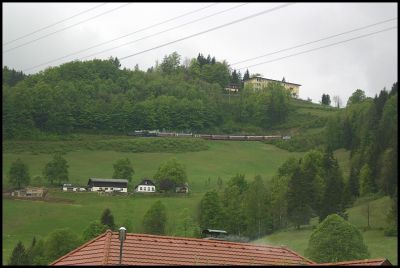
(299,199)
(332,201)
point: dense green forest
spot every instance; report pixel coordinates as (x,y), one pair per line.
(98,96)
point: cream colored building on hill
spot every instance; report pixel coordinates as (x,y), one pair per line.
(259,83)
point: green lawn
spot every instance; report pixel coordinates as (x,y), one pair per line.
(379,245)
(23,219)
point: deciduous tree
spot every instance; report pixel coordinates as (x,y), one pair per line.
(155,219)
(94,229)
(123,169)
(336,240)
(18,174)
(211,213)
(60,242)
(56,170)
(171,170)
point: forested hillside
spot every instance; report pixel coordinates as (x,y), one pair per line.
(98,96)
(368,128)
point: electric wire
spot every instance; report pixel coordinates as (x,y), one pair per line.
(106,42)
(208,30)
(51,25)
(44,36)
(164,31)
(315,41)
(310,50)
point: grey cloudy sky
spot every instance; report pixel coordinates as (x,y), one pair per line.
(368,63)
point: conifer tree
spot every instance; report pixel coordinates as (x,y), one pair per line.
(19,255)
(299,199)
(332,201)
(108,219)
(246,75)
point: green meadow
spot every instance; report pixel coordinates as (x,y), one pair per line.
(379,246)
(24,219)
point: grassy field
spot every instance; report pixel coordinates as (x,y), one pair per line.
(223,158)
(23,219)
(379,245)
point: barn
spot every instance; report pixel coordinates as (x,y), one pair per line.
(108,185)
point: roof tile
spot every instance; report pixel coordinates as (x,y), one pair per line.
(143,249)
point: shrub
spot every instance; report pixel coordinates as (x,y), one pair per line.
(391,231)
(336,240)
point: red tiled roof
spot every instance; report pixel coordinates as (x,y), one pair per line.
(143,249)
(370,262)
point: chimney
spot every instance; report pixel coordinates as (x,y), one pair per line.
(121,237)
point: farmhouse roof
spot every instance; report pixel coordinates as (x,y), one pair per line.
(143,249)
(146,182)
(108,180)
(366,262)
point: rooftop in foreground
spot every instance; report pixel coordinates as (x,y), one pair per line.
(143,249)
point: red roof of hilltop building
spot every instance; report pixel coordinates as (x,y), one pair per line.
(370,262)
(143,249)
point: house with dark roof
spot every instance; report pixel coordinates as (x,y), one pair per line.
(182,188)
(107,185)
(146,186)
(144,249)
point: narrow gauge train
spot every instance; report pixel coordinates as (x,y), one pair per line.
(238,138)
(145,133)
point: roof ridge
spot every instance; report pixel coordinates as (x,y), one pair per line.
(356,261)
(205,240)
(78,248)
(107,244)
(297,254)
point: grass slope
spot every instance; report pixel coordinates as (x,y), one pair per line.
(379,245)
(23,219)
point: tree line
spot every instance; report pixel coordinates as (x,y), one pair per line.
(303,188)
(97,96)
(367,127)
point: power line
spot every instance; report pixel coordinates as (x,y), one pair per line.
(34,40)
(209,30)
(106,42)
(164,31)
(310,50)
(315,41)
(51,25)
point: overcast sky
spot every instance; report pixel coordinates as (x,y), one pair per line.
(368,63)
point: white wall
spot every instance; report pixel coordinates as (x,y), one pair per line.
(109,189)
(145,189)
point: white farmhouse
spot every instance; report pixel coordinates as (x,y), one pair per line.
(108,185)
(146,186)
